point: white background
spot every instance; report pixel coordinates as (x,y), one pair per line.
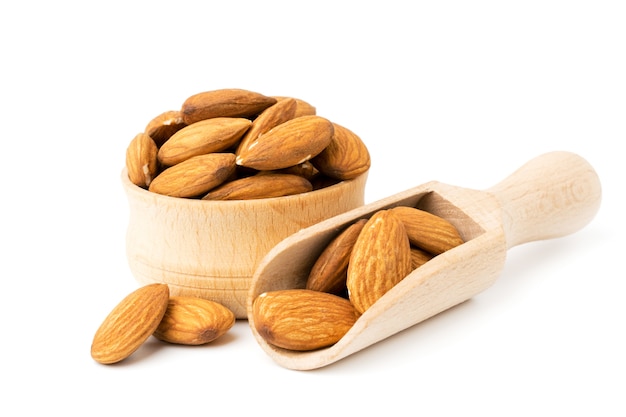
(462,92)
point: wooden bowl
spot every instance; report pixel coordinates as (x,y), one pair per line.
(210,249)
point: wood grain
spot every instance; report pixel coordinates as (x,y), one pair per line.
(551,196)
(211,249)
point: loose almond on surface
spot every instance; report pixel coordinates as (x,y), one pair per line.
(206,136)
(300,319)
(330,271)
(195,176)
(432,233)
(130,323)
(229,102)
(381,257)
(346,156)
(260,186)
(193,321)
(141,160)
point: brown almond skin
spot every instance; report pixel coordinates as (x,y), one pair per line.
(330,271)
(346,156)
(229,102)
(130,323)
(203,137)
(194,321)
(288,144)
(303,108)
(305,169)
(282,111)
(163,126)
(260,186)
(381,257)
(301,319)
(141,160)
(430,232)
(195,176)
(419,257)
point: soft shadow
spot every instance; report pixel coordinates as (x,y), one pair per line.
(524,269)
(410,340)
(153,346)
(526,265)
(148,349)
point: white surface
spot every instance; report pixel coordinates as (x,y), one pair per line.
(459,92)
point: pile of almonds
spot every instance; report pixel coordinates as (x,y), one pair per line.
(228,144)
(234,144)
(364,261)
(150,310)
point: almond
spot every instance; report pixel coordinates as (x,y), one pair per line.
(229,102)
(430,232)
(130,323)
(260,186)
(381,257)
(346,156)
(419,257)
(305,169)
(330,270)
(288,144)
(271,117)
(301,319)
(203,137)
(194,321)
(323,181)
(195,176)
(163,126)
(141,160)
(303,108)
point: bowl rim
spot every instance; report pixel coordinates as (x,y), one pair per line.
(319,193)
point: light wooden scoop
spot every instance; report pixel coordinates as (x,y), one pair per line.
(553,195)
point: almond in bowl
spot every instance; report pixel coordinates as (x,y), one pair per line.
(228,176)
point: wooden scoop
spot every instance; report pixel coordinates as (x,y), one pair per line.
(553,195)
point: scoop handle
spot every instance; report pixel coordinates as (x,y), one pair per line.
(552,195)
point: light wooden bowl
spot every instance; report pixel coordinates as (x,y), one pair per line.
(211,249)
